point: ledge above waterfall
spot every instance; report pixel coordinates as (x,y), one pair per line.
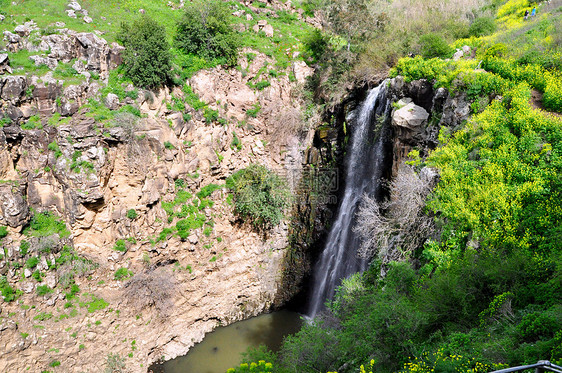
(410,116)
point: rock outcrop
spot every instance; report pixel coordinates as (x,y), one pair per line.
(91,174)
(420,113)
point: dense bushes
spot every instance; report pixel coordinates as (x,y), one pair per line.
(45,224)
(433,45)
(260,196)
(146,57)
(482,26)
(205,31)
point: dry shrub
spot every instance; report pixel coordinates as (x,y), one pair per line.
(152,288)
(394,228)
(286,122)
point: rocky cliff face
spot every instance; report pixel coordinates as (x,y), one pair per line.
(420,113)
(118,185)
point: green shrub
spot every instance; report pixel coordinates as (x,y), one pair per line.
(433,45)
(8,292)
(114,364)
(205,31)
(43,290)
(210,115)
(207,190)
(32,262)
(260,195)
(120,246)
(45,224)
(95,304)
(146,59)
(54,363)
(3,232)
(482,26)
(193,221)
(24,247)
(132,214)
(252,113)
(260,86)
(235,144)
(316,44)
(122,274)
(55,148)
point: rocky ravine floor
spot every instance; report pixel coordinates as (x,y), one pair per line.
(180,289)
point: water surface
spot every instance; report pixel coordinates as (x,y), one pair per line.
(221,348)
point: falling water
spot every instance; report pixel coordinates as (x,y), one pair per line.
(365,158)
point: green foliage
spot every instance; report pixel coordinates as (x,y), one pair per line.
(122,274)
(210,115)
(54,363)
(120,245)
(184,226)
(507,207)
(53,146)
(45,224)
(316,45)
(261,85)
(513,6)
(260,196)
(24,247)
(43,290)
(433,45)
(94,304)
(235,144)
(42,316)
(33,123)
(535,75)
(132,214)
(146,57)
(207,190)
(8,293)
(482,26)
(115,364)
(440,361)
(32,262)
(3,232)
(252,113)
(205,31)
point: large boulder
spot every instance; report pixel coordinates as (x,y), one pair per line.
(5,64)
(12,88)
(13,206)
(411,117)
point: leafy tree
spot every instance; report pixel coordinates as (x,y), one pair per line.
(205,31)
(351,20)
(146,57)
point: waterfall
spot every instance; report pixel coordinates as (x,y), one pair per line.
(364,166)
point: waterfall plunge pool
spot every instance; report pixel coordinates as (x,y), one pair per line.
(221,349)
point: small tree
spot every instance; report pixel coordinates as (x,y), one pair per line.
(260,195)
(433,45)
(146,57)
(205,31)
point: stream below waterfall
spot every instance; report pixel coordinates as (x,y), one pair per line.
(222,348)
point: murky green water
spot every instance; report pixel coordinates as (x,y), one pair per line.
(221,348)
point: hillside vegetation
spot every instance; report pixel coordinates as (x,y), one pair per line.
(487,293)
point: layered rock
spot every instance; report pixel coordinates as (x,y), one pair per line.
(91,175)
